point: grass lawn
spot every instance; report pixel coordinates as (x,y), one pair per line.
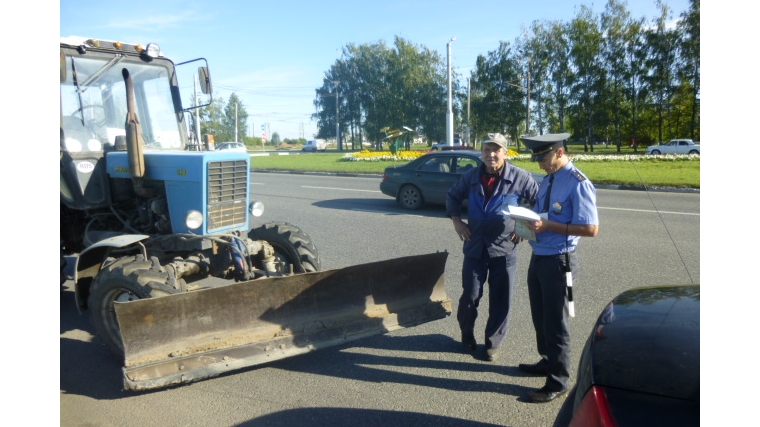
(628,169)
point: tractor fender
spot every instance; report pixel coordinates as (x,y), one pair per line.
(90,261)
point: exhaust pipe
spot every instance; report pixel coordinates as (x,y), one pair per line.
(134,140)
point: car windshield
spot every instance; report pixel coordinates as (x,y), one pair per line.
(94,103)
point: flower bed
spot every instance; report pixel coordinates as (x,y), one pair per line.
(382,156)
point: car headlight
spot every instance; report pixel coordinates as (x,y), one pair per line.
(193,220)
(256,208)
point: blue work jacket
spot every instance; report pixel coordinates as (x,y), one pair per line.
(490,228)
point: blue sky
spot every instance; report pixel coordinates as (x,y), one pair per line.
(273,54)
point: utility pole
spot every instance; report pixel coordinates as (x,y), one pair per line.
(337,112)
(337,118)
(467,131)
(527,95)
(449,111)
(236,123)
(527,112)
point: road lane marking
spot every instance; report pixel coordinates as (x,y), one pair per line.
(648,211)
(387,213)
(342,189)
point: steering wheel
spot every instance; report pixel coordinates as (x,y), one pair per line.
(94,122)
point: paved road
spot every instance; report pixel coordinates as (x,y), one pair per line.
(416,376)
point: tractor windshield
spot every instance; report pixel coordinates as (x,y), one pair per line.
(94,103)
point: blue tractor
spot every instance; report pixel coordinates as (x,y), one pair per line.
(144,216)
(148,215)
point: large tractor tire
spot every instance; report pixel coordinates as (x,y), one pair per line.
(126,279)
(291,244)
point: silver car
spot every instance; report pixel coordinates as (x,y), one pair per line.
(232,146)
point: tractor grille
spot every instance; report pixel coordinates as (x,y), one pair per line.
(227,194)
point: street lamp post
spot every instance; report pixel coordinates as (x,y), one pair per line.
(449,111)
(527,109)
(467,132)
(527,95)
(337,113)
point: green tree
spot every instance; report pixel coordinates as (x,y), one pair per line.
(635,53)
(616,26)
(379,87)
(211,118)
(497,96)
(235,119)
(689,70)
(538,57)
(608,76)
(589,79)
(661,63)
(560,73)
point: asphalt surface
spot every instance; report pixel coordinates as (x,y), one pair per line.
(415,376)
(537,176)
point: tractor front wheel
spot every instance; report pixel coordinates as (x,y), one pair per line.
(126,279)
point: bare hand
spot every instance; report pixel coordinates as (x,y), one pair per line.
(536,226)
(462,230)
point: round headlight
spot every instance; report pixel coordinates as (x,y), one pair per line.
(193,220)
(256,208)
(94,145)
(73,145)
(152,50)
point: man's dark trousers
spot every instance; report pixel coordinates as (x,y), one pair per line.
(547,290)
(500,274)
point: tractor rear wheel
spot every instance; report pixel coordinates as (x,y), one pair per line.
(292,246)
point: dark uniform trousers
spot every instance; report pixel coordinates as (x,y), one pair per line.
(500,274)
(547,291)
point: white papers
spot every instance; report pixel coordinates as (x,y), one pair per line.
(521,216)
(518,212)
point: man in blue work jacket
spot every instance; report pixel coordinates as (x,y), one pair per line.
(566,204)
(490,241)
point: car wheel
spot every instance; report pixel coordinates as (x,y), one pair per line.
(410,197)
(693,152)
(655,152)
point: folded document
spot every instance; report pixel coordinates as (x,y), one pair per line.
(522,216)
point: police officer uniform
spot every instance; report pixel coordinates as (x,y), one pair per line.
(566,197)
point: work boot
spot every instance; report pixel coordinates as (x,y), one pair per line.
(492,354)
(469,342)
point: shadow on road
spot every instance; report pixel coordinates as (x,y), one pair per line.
(381,206)
(351,417)
(87,367)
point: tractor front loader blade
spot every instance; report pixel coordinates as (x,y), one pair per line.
(195,335)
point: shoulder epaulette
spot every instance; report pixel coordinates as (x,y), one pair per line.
(579,175)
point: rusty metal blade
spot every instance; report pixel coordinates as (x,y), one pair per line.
(191,336)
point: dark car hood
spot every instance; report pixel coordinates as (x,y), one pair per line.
(649,342)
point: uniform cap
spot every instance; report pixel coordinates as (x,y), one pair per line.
(542,145)
(496,138)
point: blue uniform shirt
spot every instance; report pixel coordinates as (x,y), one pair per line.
(573,201)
